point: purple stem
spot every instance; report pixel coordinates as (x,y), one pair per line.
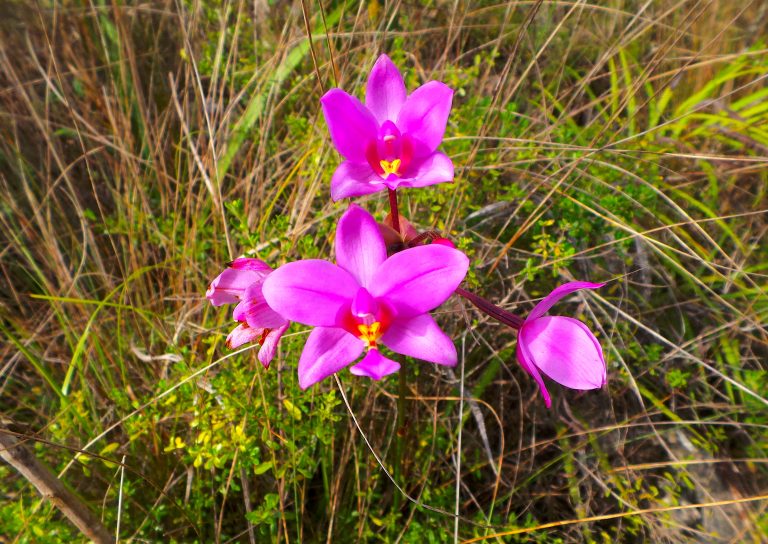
(491,309)
(393,210)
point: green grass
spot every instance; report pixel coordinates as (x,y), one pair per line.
(143,146)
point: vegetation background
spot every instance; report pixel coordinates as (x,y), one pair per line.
(145,144)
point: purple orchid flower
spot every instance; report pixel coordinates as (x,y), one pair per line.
(229,286)
(563,348)
(242,283)
(392,140)
(367,300)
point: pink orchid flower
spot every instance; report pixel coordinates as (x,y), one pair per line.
(392,140)
(242,283)
(366,300)
(562,348)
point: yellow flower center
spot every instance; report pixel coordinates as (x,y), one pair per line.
(369,334)
(391,167)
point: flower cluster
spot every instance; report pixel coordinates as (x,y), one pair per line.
(388,277)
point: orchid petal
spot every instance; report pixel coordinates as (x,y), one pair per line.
(327,351)
(312,292)
(421,337)
(360,248)
(524,359)
(229,286)
(436,168)
(242,334)
(424,116)
(564,349)
(375,366)
(351,125)
(354,179)
(269,347)
(419,279)
(557,293)
(385,92)
(255,311)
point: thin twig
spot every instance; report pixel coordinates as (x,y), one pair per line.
(120,500)
(51,488)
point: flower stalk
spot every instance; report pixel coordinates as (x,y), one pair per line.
(393,210)
(491,309)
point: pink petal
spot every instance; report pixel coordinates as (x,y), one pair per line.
(248,263)
(436,168)
(557,293)
(255,311)
(374,365)
(424,115)
(327,351)
(351,125)
(385,92)
(421,337)
(354,179)
(312,292)
(269,347)
(419,279)
(229,287)
(524,359)
(360,248)
(242,334)
(564,349)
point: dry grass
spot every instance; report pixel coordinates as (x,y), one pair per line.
(621,141)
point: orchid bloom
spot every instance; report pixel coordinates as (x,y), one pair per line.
(366,300)
(563,348)
(392,140)
(242,283)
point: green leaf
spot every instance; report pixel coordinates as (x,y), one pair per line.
(262,468)
(292,409)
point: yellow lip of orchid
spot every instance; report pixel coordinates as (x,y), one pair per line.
(369,334)
(391,167)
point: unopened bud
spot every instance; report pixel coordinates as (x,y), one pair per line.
(444,242)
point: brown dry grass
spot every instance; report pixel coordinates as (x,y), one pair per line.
(127,129)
